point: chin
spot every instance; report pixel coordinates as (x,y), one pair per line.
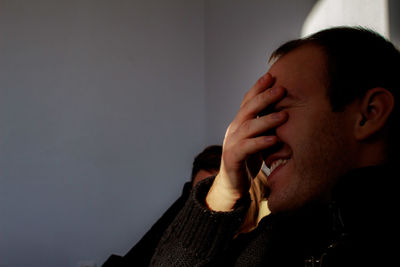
(278,203)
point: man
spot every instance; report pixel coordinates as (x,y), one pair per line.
(323,120)
(205,164)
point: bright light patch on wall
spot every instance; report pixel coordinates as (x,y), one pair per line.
(367,13)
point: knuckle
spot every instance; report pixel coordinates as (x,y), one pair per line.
(260,98)
(244,109)
(241,148)
(246,126)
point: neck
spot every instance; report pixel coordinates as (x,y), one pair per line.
(371,154)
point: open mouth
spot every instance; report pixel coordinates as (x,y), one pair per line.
(275,157)
(269,167)
(277,163)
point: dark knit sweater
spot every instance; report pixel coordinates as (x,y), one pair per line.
(141,253)
(360,227)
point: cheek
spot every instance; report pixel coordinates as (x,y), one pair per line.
(292,129)
(302,123)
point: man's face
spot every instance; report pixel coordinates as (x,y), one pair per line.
(316,142)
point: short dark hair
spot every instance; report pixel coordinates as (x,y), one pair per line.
(209,159)
(358,59)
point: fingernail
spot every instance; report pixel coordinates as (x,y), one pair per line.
(270,139)
(277,115)
(275,90)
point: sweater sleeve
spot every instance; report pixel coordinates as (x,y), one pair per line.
(199,236)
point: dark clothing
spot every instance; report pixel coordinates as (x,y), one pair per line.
(141,253)
(358,228)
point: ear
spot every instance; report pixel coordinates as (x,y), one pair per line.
(375,108)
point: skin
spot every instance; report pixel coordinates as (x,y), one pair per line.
(318,143)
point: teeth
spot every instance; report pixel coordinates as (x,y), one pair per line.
(277,163)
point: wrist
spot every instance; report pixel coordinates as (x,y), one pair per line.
(222,197)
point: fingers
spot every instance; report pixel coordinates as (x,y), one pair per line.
(248,138)
(253,107)
(245,138)
(259,126)
(263,83)
(237,152)
(243,135)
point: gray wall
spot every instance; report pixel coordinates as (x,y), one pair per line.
(101,113)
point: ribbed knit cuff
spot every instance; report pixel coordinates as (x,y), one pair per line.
(199,234)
